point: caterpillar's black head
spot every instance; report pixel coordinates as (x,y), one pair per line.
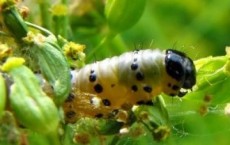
(181,68)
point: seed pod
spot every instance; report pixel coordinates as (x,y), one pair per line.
(32,107)
(53,65)
(123,14)
(2,95)
(13,21)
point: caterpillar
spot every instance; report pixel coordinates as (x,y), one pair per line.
(133,78)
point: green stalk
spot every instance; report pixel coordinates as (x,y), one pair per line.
(45,13)
(61,26)
(108,38)
(47,32)
(60,18)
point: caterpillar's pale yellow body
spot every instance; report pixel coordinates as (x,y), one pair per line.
(129,79)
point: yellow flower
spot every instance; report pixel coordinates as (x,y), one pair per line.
(59,10)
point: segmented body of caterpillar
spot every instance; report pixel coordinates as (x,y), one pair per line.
(133,78)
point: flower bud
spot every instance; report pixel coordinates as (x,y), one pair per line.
(74,53)
(53,64)
(13,20)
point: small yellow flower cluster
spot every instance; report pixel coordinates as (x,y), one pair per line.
(74,53)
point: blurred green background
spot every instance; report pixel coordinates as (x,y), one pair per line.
(200,28)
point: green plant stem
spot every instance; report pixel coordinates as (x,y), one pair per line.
(104,44)
(61,26)
(105,40)
(61,22)
(45,13)
(47,32)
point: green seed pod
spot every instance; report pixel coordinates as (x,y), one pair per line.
(32,107)
(13,21)
(53,65)
(123,14)
(2,95)
(55,69)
